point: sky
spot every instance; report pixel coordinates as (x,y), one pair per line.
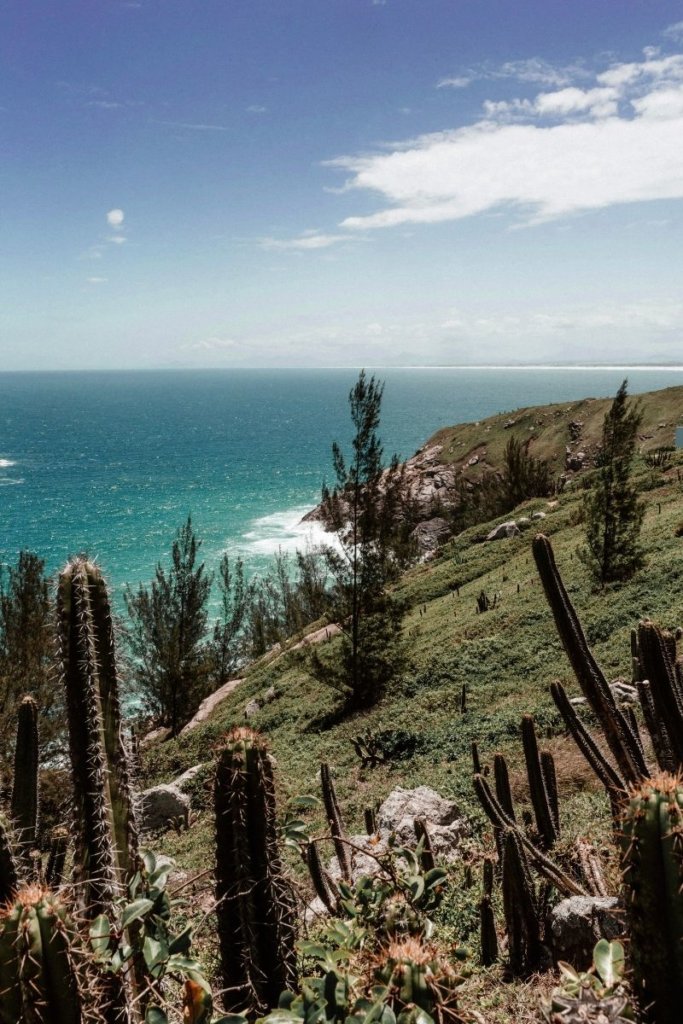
(232,183)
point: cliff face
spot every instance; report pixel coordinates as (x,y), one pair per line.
(566,434)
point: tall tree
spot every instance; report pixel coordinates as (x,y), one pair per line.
(167,635)
(228,631)
(364,510)
(27,651)
(612,509)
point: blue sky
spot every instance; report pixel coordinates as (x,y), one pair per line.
(340,182)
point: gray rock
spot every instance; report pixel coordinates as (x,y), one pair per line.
(183,782)
(538,515)
(269,695)
(160,806)
(430,534)
(577,923)
(509,529)
(445,824)
(624,692)
(209,705)
(523,523)
(156,736)
(252,707)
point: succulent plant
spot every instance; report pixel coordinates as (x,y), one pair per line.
(652,866)
(255,911)
(105,836)
(38,979)
(417,979)
(24,806)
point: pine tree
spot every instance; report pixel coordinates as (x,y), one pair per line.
(612,510)
(228,631)
(167,636)
(27,652)
(364,509)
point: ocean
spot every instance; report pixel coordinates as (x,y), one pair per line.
(112,463)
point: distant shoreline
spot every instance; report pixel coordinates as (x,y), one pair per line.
(588,367)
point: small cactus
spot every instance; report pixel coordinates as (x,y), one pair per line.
(255,910)
(652,866)
(24,808)
(538,788)
(38,978)
(416,978)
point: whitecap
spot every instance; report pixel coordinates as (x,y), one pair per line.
(6,463)
(7,481)
(285,531)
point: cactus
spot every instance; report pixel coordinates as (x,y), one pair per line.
(24,806)
(652,866)
(501,777)
(370,820)
(661,743)
(9,876)
(540,801)
(325,889)
(550,780)
(255,909)
(56,857)
(623,744)
(105,838)
(416,977)
(334,820)
(520,905)
(38,978)
(658,658)
(487,921)
(427,859)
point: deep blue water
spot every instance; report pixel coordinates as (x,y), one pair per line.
(111,463)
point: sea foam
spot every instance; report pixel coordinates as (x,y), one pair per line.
(6,463)
(284,531)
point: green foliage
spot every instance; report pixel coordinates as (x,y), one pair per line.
(367,511)
(598,996)
(227,644)
(523,475)
(613,511)
(27,653)
(167,635)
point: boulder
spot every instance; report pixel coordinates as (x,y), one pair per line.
(183,782)
(318,636)
(577,923)
(209,705)
(252,707)
(156,736)
(430,534)
(538,515)
(509,529)
(160,806)
(523,523)
(445,824)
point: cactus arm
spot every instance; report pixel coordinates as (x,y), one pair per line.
(10,989)
(550,780)
(656,728)
(335,821)
(488,935)
(501,778)
(58,970)
(658,668)
(622,743)
(545,824)
(24,806)
(610,778)
(319,879)
(543,864)
(521,912)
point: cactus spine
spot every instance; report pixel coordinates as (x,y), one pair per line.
(24,807)
(652,864)
(105,838)
(335,822)
(255,909)
(37,975)
(9,878)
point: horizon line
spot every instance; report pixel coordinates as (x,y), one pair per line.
(675,367)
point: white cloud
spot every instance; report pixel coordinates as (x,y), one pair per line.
(307,241)
(195,126)
(674,31)
(254,108)
(537,70)
(97,280)
(617,142)
(212,345)
(456,82)
(117,239)
(115,219)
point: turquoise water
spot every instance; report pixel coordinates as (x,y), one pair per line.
(111,463)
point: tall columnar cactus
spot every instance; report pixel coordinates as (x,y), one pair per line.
(550,779)
(501,777)
(487,921)
(540,799)
(621,740)
(9,876)
(105,838)
(522,920)
(38,981)
(325,889)
(658,659)
(24,807)
(255,911)
(652,865)
(335,821)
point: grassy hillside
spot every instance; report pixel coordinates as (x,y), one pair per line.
(505,657)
